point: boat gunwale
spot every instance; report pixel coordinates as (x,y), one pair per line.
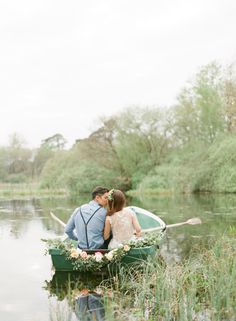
(149,214)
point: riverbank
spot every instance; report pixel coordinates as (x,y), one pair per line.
(29,190)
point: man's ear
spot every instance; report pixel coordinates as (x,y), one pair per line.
(96,198)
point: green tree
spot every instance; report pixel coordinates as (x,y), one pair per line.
(142,140)
(18,158)
(55,142)
(199,114)
(42,155)
(55,170)
(229,96)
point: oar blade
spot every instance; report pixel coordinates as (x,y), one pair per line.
(194,221)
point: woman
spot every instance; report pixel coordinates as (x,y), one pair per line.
(121,221)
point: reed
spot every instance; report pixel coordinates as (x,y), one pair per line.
(200,288)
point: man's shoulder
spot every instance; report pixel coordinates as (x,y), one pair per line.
(91,208)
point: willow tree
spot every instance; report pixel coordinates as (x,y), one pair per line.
(199,113)
(142,139)
(229,94)
(128,145)
(15,160)
(55,142)
(99,153)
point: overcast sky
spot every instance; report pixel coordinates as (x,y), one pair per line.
(64,64)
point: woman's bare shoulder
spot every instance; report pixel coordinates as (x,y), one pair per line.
(128,211)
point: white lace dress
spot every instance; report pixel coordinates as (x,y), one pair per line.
(122,227)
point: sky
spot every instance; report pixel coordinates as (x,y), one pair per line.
(64,65)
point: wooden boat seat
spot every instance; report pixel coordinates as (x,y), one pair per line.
(92,251)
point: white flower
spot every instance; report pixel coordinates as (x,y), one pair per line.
(98,258)
(74,253)
(109,256)
(126,248)
(114,252)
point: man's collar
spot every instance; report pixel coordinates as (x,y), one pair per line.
(94,203)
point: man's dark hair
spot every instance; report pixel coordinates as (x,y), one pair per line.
(99,190)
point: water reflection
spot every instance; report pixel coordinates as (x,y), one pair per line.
(16,215)
(89,306)
(81,292)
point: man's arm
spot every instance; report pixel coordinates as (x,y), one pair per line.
(70,226)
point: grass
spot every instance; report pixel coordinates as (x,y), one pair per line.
(30,189)
(200,288)
(150,192)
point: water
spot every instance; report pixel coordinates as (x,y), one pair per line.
(28,288)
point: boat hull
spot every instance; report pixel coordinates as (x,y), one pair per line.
(133,257)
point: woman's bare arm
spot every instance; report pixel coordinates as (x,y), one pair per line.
(107,229)
(136,225)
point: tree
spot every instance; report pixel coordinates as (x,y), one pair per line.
(142,140)
(101,146)
(229,94)
(199,112)
(55,142)
(42,155)
(18,157)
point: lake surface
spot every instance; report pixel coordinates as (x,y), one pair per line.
(27,281)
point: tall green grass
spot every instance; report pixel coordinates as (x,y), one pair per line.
(200,288)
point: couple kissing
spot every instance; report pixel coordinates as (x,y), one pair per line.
(104,222)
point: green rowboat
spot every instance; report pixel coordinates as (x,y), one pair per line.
(148,222)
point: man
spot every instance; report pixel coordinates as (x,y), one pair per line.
(88,221)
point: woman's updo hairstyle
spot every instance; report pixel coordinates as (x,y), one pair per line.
(116,201)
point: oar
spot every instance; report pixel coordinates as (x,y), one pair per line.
(57,219)
(64,236)
(191,221)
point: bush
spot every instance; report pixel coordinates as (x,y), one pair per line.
(206,169)
(16,178)
(217,172)
(89,175)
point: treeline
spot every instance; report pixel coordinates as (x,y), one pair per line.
(188,147)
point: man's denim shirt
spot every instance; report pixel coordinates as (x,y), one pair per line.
(75,227)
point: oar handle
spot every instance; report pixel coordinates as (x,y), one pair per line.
(176,224)
(153,229)
(57,219)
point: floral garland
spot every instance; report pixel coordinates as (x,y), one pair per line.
(83,261)
(110,194)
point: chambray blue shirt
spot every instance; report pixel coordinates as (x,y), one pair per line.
(75,228)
